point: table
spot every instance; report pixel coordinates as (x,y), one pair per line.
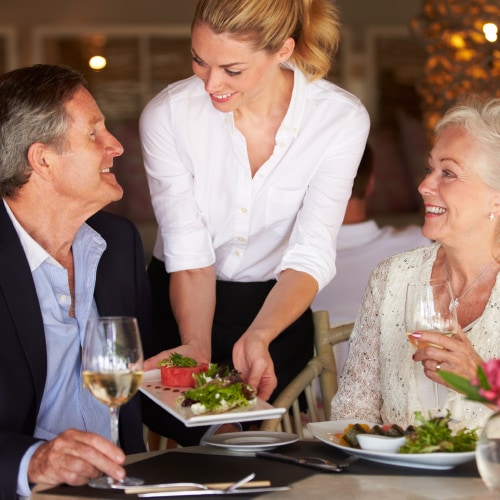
(364,480)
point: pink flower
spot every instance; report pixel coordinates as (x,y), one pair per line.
(491,371)
(484,387)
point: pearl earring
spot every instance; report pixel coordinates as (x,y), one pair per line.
(491,216)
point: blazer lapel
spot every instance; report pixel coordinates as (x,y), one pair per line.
(18,290)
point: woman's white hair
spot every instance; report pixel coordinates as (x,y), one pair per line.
(481,118)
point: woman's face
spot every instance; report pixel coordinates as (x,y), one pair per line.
(457,202)
(234,73)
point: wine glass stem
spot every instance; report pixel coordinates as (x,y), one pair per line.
(113,413)
(436,395)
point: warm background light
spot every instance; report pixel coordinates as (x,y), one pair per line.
(97,62)
(463,53)
(490,31)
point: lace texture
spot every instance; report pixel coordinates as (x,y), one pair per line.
(378,383)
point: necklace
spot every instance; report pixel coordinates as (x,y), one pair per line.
(475,282)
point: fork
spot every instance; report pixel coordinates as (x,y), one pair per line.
(312,462)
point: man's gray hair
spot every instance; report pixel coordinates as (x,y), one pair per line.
(32,109)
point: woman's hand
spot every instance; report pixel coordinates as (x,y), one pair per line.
(252,359)
(74,457)
(455,354)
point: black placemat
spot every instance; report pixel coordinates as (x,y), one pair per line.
(176,466)
(180,466)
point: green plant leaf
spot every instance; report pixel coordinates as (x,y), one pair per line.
(483,380)
(463,385)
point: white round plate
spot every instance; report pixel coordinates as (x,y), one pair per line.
(251,441)
(325,431)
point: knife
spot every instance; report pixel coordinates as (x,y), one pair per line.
(238,491)
(298,461)
(168,487)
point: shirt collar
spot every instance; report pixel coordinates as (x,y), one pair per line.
(291,123)
(36,254)
(295,112)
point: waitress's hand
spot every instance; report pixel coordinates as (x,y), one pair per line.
(188,350)
(454,354)
(252,359)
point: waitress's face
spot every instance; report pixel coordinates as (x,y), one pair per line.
(234,73)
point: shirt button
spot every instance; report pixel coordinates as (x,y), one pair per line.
(62,298)
(236,253)
(244,210)
(240,238)
(281,144)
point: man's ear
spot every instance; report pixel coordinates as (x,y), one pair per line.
(40,159)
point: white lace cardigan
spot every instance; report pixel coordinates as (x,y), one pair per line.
(378,383)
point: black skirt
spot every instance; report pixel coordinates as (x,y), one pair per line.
(237,304)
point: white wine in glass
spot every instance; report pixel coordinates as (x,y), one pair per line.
(112,369)
(430,307)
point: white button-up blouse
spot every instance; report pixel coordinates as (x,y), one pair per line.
(209,208)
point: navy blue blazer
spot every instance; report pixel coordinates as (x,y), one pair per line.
(122,288)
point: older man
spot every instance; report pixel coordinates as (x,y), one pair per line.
(62,261)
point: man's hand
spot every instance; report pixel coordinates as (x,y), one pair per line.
(73,458)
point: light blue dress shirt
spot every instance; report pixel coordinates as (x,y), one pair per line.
(65,402)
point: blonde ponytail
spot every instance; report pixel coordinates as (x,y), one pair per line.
(313,24)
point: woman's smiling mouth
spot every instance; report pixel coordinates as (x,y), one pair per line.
(434,210)
(221,97)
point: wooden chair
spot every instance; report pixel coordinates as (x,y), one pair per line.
(321,367)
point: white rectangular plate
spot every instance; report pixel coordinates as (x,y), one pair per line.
(167,398)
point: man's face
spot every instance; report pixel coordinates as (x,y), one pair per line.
(83,169)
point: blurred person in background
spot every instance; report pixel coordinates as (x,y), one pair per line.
(361,245)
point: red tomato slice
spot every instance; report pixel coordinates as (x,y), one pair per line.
(180,376)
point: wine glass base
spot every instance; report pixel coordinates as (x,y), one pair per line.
(106,482)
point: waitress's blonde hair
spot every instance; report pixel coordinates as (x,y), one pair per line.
(313,24)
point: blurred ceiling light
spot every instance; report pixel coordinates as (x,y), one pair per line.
(97,63)
(463,53)
(490,31)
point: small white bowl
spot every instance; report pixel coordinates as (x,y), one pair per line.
(387,444)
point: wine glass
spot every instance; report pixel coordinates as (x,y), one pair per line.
(112,368)
(430,307)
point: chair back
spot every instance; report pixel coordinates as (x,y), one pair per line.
(321,368)
(325,338)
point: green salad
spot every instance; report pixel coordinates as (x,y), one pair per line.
(434,435)
(217,390)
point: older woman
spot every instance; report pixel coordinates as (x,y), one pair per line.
(461,194)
